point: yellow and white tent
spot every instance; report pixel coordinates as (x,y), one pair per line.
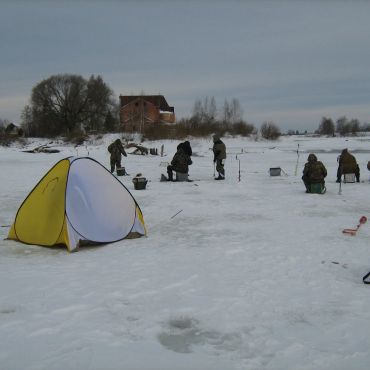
(78,200)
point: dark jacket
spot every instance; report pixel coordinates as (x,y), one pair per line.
(347,162)
(181,160)
(186,147)
(219,149)
(116,149)
(314,171)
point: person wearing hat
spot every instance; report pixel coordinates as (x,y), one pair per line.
(219,156)
(116,150)
(347,164)
(314,172)
(181,160)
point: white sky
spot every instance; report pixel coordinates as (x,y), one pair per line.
(291,62)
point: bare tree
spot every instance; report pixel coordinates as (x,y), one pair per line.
(354,126)
(326,126)
(236,112)
(66,102)
(270,131)
(27,121)
(212,109)
(226,114)
(100,103)
(342,126)
(198,109)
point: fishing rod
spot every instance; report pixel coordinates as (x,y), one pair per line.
(296,166)
(238,159)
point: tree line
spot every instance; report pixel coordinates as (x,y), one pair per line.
(342,126)
(207,118)
(70,105)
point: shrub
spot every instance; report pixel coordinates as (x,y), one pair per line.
(270,131)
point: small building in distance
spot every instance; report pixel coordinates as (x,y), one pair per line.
(137,111)
(13,130)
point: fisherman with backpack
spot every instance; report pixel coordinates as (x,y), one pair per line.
(314,172)
(116,150)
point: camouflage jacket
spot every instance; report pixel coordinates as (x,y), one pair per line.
(314,172)
(116,149)
(219,150)
(181,161)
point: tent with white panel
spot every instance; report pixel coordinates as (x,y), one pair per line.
(78,201)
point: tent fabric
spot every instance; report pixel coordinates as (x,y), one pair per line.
(78,200)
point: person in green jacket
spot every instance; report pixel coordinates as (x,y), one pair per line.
(219,156)
(116,150)
(314,172)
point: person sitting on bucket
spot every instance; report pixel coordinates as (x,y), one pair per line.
(314,172)
(181,160)
(347,164)
(116,150)
(219,156)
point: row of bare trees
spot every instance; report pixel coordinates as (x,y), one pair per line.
(207,118)
(342,126)
(68,105)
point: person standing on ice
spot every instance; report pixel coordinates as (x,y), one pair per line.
(116,150)
(219,156)
(181,160)
(347,164)
(314,172)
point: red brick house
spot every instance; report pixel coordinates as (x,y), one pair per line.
(139,110)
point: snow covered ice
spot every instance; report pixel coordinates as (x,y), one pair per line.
(252,275)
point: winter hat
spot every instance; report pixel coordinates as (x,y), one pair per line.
(216,137)
(312,158)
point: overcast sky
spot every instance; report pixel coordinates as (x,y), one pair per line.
(290,62)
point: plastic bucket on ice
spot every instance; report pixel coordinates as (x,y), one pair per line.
(318,188)
(349,177)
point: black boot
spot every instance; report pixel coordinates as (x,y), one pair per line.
(170,173)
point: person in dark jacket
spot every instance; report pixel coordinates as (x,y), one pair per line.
(181,160)
(219,156)
(347,164)
(314,172)
(116,150)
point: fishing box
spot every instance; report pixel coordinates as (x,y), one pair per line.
(182,176)
(275,171)
(349,177)
(139,183)
(318,188)
(121,171)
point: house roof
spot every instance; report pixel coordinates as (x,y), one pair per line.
(158,100)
